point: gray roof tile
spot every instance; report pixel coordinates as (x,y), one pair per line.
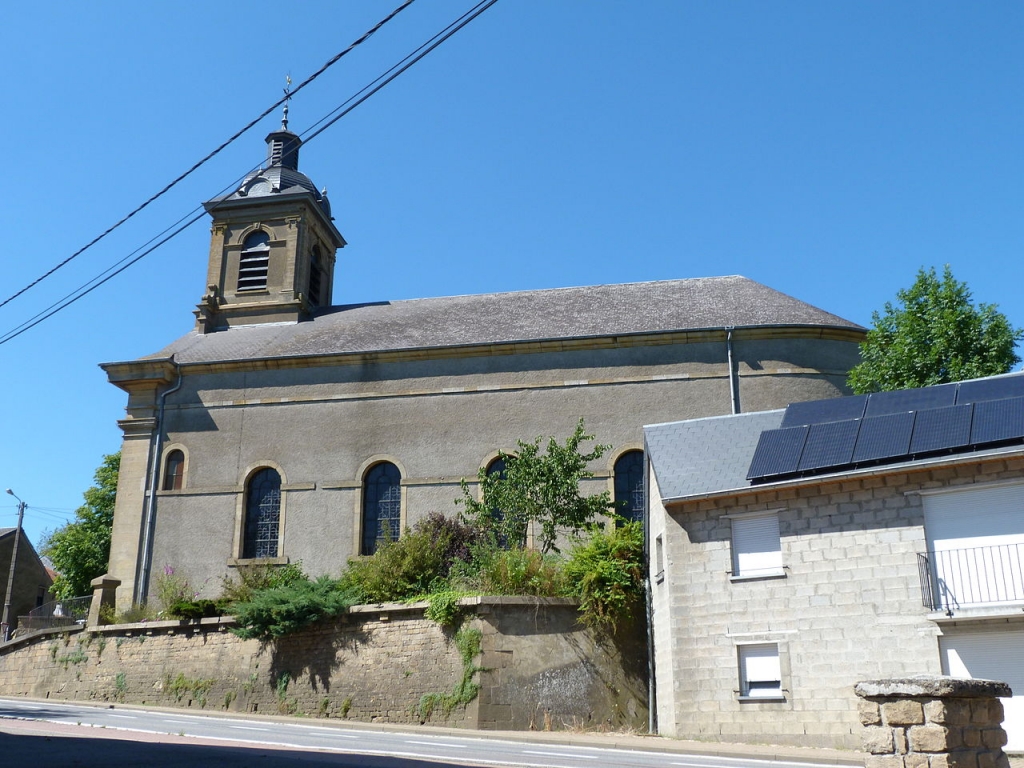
(603,310)
(703,456)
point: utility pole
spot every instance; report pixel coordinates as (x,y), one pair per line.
(5,625)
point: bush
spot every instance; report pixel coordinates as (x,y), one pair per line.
(195,609)
(249,579)
(605,573)
(278,611)
(495,571)
(416,564)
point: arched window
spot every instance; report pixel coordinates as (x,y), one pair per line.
(382,506)
(254,263)
(497,467)
(262,514)
(629,485)
(315,276)
(174,471)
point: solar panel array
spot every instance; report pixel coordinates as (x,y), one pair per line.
(847,432)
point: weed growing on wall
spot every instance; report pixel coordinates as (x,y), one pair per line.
(180,685)
(468,642)
(120,686)
(76,656)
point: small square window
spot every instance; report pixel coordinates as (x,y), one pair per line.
(756,547)
(760,671)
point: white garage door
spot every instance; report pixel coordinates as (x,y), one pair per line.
(991,656)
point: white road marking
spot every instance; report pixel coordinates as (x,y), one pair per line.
(563,755)
(437,744)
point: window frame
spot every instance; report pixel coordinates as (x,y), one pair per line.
(365,548)
(770,687)
(245,552)
(746,525)
(174,481)
(629,455)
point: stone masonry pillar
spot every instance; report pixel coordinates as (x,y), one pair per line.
(104,590)
(933,722)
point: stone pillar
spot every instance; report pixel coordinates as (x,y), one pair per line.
(933,722)
(104,591)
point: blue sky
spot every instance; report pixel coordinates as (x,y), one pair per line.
(828,150)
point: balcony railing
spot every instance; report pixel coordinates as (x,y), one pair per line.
(974,577)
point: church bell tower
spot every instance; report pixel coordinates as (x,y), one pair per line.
(272,245)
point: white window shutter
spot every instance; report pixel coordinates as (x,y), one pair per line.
(756,546)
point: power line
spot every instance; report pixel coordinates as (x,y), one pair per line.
(354,101)
(215,152)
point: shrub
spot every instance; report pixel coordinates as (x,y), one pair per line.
(416,564)
(249,579)
(495,571)
(195,609)
(605,573)
(172,588)
(278,611)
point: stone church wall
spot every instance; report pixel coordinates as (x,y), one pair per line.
(438,420)
(373,664)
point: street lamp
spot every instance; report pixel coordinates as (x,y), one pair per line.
(5,624)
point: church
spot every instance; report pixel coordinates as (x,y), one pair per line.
(284,428)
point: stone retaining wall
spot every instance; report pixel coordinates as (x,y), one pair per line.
(375,663)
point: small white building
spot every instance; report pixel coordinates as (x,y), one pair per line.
(796,552)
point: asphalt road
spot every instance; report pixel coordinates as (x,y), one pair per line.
(41,734)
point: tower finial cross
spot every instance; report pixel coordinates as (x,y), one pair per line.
(287,98)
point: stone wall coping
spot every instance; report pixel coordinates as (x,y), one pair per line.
(476,601)
(932,686)
(31,637)
(161,626)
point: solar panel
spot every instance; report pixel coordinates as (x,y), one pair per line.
(940,429)
(881,403)
(996,388)
(829,445)
(778,452)
(998,420)
(884,437)
(821,411)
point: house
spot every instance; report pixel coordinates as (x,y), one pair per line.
(32,579)
(798,551)
(286,428)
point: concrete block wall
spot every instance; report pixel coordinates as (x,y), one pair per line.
(372,664)
(848,608)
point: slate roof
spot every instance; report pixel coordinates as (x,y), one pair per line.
(561,313)
(5,531)
(703,456)
(708,456)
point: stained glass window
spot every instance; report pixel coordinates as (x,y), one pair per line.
(382,506)
(629,485)
(262,514)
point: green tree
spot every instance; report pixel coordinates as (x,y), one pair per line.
(539,486)
(934,335)
(80,549)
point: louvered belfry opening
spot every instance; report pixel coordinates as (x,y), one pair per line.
(254,263)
